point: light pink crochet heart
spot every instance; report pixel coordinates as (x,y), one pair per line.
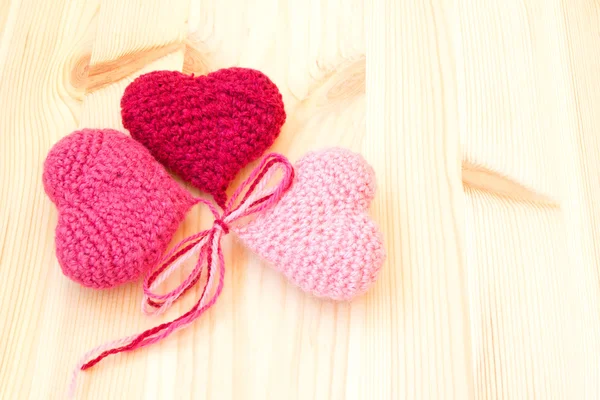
(319,235)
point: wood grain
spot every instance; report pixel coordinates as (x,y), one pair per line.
(533,263)
(480,119)
(39,42)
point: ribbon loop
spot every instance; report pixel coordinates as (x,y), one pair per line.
(251,197)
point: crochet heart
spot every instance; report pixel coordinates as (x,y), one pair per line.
(319,234)
(118,207)
(204,128)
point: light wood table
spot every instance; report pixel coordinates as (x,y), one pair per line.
(481,121)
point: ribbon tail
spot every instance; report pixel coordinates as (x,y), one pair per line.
(215,270)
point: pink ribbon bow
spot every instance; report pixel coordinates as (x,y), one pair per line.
(257,196)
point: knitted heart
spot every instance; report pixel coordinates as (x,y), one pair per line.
(319,234)
(118,208)
(204,128)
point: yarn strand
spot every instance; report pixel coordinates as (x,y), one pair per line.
(256,198)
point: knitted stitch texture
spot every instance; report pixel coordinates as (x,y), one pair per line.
(118,207)
(204,128)
(319,234)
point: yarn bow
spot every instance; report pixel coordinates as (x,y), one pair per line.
(256,196)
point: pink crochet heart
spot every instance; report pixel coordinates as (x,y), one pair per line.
(118,208)
(207,128)
(319,234)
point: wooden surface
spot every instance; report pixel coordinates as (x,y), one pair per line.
(481,121)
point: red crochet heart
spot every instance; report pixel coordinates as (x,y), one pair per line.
(207,128)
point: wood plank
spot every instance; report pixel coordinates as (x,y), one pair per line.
(269,339)
(131,39)
(418,326)
(41,42)
(532,265)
